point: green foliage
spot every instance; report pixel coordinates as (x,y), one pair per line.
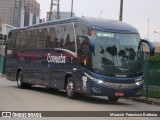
(154,58)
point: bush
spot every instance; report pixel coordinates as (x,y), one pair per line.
(154,58)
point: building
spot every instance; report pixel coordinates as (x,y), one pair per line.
(6,12)
(18,20)
(63,15)
(6,28)
(19,13)
(32,12)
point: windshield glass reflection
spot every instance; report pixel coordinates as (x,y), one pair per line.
(117,53)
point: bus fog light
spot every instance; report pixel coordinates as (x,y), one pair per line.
(97,90)
(139,92)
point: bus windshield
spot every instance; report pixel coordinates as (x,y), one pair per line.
(117,55)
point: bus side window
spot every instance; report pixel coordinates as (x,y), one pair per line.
(85,54)
(18,39)
(38,39)
(23,39)
(51,39)
(80,30)
(41,37)
(67,37)
(31,41)
(10,40)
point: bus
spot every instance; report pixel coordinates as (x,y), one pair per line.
(89,56)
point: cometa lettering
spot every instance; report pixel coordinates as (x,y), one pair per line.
(56,59)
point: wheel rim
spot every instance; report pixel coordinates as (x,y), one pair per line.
(70,88)
(19,80)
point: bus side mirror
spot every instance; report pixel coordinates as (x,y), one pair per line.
(150,45)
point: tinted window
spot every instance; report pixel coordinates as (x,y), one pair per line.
(66,37)
(23,39)
(80,31)
(31,41)
(52,39)
(10,40)
(41,37)
(117,54)
(19,37)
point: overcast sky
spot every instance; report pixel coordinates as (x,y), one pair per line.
(138,13)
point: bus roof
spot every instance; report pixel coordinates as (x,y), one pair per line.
(93,23)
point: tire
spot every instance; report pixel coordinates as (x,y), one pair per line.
(20,82)
(70,88)
(113,99)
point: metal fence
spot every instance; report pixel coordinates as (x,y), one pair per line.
(151,79)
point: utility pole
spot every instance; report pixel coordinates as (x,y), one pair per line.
(148,30)
(121,11)
(58,9)
(51,8)
(72,8)
(55,3)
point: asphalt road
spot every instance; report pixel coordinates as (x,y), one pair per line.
(41,99)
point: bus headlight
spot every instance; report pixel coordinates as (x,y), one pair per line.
(97,80)
(100,81)
(94,79)
(139,83)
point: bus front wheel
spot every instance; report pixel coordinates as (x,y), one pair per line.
(70,89)
(113,99)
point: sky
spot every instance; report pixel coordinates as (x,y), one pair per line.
(142,14)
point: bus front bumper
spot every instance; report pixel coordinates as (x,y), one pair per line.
(120,90)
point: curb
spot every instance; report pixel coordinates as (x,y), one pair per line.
(151,101)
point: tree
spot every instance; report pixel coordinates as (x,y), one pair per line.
(154,58)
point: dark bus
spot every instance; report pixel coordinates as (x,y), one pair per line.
(90,56)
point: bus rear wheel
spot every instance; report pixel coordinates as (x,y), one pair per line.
(113,99)
(70,89)
(20,82)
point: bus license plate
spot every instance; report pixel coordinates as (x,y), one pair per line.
(119,94)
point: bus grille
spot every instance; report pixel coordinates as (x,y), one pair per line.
(119,85)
